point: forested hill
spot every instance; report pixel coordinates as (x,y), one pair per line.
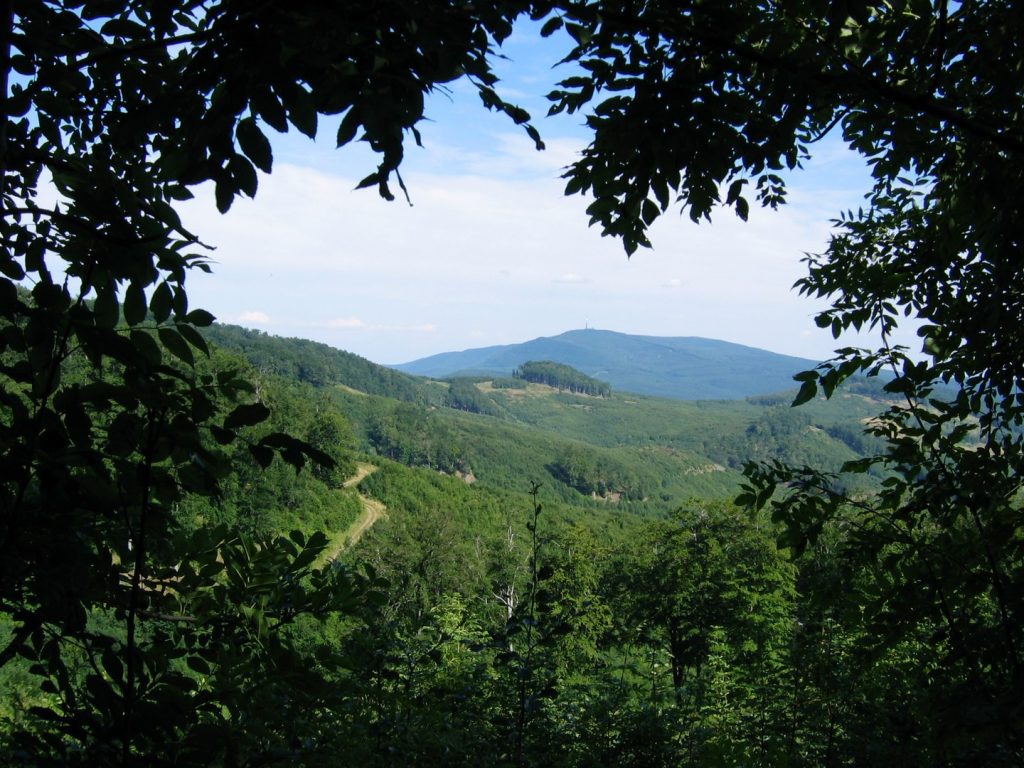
(319,364)
(648,453)
(562,377)
(684,368)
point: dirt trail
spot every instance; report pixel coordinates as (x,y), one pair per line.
(373,511)
(362,470)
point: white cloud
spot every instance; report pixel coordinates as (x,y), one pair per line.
(356,323)
(254,317)
(489,256)
(345,322)
(571,277)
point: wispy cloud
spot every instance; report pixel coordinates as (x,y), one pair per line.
(253,317)
(571,277)
(506,256)
(356,323)
(345,322)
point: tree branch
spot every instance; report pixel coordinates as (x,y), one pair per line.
(7,20)
(852,83)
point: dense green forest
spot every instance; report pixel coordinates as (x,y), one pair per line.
(218,548)
(320,365)
(561,377)
(504,627)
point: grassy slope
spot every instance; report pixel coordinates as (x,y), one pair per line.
(717,430)
(664,451)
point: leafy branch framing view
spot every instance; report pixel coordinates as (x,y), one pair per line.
(155,635)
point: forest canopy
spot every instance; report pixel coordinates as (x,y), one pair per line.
(561,376)
(143,630)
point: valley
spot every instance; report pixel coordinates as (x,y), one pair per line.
(481,567)
(221,548)
(648,453)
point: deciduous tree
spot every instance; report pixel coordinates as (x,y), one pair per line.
(113,110)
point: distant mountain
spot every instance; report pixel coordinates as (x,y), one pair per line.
(637,453)
(683,368)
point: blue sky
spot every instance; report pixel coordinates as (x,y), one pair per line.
(491,252)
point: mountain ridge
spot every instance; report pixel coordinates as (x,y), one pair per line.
(677,367)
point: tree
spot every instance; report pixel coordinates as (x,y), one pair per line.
(705,104)
(709,593)
(561,376)
(114,110)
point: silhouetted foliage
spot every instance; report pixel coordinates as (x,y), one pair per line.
(139,630)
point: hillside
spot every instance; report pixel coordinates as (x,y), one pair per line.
(683,368)
(319,364)
(640,453)
(435,503)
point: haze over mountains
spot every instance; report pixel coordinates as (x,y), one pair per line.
(683,368)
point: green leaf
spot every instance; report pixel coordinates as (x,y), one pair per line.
(134,304)
(551,26)
(10,268)
(160,302)
(176,345)
(306,557)
(105,308)
(146,345)
(857,466)
(244,175)
(369,181)
(348,127)
(124,28)
(247,416)
(112,666)
(263,455)
(650,212)
(807,392)
(23,65)
(224,194)
(254,144)
(734,191)
(534,134)
(301,110)
(742,208)
(901,385)
(78,424)
(200,318)
(178,192)
(124,434)
(193,337)
(577,183)
(579,33)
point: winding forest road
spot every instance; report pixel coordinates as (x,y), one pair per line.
(362,470)
(373,511)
